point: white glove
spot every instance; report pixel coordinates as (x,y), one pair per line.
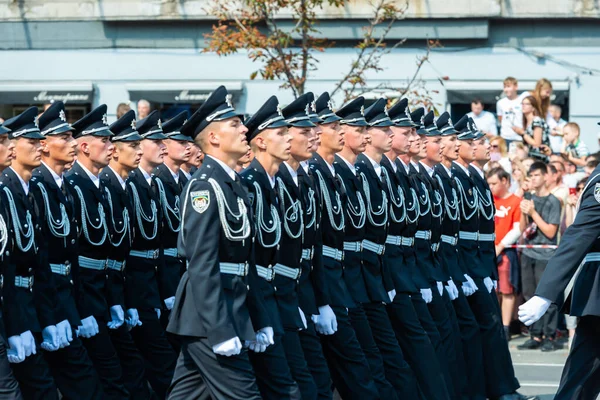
(170,302)
(440,287)
(28,343)
(489,285)
(326,323)
(229,347)
(452,290)
(533,310)
(117,316)
(51,341)
(88,328)
(392,295)
(255,347)
(133,318)
(65,333)
(427,295)
(471,283)
(16,351)
(265,336)
(157,312)
(495,285)
(303,317)
(467,289)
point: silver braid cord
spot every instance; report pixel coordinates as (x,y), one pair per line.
(384,204)
(126,230)
(85,220)
(167,208)
(275,223)
(293,213)
(141,215)
(62,227)
(330,212)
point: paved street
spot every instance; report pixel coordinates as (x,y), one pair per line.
(539,373)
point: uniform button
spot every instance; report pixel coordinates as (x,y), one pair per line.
(71,282)
(7,253)
(25,226)
(72,241)
(275,288)
(67,262)
(30,269)
(247,287)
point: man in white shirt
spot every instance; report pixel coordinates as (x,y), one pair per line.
(509,112)
(555,123)
(485,120)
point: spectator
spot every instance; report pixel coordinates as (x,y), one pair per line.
(499,154)
(590,167)
(485,120)
(540,217)
(555,184)
(572,176)
(518,178)
(518,150)
(143,109)
(122,109)
(527,163)
(556,124)
(542,94)
(508,231)
(556,158)
(509,112)
(535,132)
(574,149)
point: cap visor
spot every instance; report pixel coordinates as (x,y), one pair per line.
(62,129)
(356,123)
(278,124)
(330,119)
(405,124)
(382,124)
(466,136)
(434,132)
(305,123)
(316,120)
(179,137)
(127,138)
(4,130)
(421,131)
(33,135)
(229,114)
(449,132)
(155,136)
(102,133)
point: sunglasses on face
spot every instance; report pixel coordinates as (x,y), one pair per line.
(495,146)
(579,189)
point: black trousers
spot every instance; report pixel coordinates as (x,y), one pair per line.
(417,347)
(317,365)
(459,374)
(159,357)
(298,365)
(132,363)
(499,372)
(273,374)
(531,273)
(9,387)
(74,372)
(173,339)
(106,362)
(348,365)
(34,377)
(581,376)
(200,373)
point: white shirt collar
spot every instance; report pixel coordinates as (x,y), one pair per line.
(405,165)
(463,168)
(173,174)
(24,184)
(293,173)
(226,167)
(121,181)
(427,168)
(376,165)
(147,176)
(393,164)
(352,167)
(271,181)
(186,174)
(305,165)
(448,170)
(479,171)
(57,179)
(95,180)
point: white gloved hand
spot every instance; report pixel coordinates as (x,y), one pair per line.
(265,336)
(117,316)
(392,295)
(65,333)
(326,321)
(471,283)
(170,302)
(489,285)
(157,312)
(533,310)
(427,295)
(133,318)
(28,343)
(51,341)
(88,328)
(228,348)
(303,317)
(495,285)
(440,287)
(255,347)
(16,351)
(452,290)
(467,289)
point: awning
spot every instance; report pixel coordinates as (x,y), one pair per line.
(46,92)
(179,92)
(463,92)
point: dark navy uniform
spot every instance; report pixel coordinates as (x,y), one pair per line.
(90,210)
(142,275)
(217,242)
(273,371)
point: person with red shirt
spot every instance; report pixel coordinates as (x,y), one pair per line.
(508,215)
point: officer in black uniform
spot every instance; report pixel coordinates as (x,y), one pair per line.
(448,258)
(190,167)
(499,373)
(347,362)
(146,258)
(126,157)
(91,210)
(217,242)
(299,187)
(72,368)
(399,263)
(169,185)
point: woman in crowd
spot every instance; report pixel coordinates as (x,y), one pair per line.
(499,153)
(535,132)
(519,173)
(542,94)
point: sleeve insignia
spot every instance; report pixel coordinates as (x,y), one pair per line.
(200,200)
(597,192)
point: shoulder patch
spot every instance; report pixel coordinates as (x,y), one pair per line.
(200,200)
(597,192)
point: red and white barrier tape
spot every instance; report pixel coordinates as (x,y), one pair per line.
(532,246)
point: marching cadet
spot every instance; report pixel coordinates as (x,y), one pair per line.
(8,383)
(146,258)
(500,380)
(348,365)
(169,186)
(90,207)
(399,262)
(30,313)
(270,142)
(217,241)
(448,257)
(125,158)
(295,173)
(368,168)
(72,368)
(191,166)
